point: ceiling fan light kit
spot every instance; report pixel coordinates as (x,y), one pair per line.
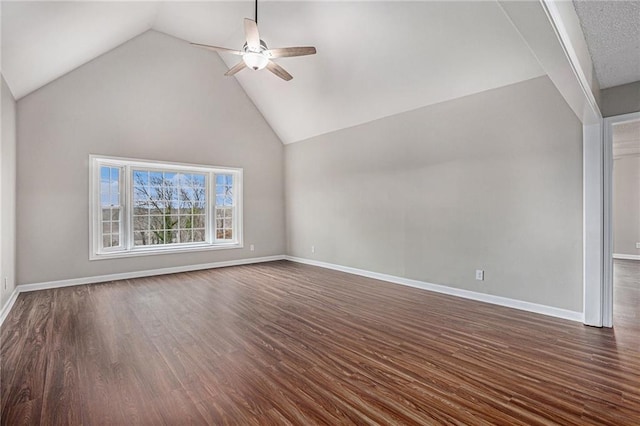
(255,53)
(255,61)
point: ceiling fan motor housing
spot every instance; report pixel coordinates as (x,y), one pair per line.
(263,47)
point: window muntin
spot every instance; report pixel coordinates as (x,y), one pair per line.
(145,207)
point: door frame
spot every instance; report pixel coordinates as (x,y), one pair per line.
(607,282)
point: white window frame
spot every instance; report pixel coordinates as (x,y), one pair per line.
(127,248)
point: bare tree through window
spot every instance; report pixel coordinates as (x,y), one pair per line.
(169,207)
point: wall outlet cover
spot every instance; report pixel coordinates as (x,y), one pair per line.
(479,275)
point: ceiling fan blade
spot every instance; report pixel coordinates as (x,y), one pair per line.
(285,52)
(251,33)
(236,68)
(218,49)
(279,71)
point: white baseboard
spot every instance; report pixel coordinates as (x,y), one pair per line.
(21,288)
(467,294)
(7,306)
(140,274)
(626,256)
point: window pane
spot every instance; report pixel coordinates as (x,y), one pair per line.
(155,178)
(156,222)
(140,211)
(105,174)
(227,234)
(188,194)
(198,221)
(156,237)
(140,223)
(198,235)
(140,178)
(140,238)
(174,200)
(110,205)
(109,186)
(186,222)
(156,208)
(198,180)
(186,236)
(199,207)
(141,195)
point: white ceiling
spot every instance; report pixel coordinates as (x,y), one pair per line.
(42,41)
(374,59)
(612,32)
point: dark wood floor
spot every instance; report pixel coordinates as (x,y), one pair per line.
(283,343)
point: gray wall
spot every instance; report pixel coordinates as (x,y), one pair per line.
(491,181)
(7,194)
(155,97)
(620,99)
(626,205)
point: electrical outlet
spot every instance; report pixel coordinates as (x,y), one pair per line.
(313,249)
(479,275)
(638,245)
(251,247)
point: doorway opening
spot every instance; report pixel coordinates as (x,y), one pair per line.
(622,168)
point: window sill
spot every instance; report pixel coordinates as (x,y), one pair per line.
(145,251)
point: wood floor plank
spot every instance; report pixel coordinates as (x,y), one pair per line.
(288,344)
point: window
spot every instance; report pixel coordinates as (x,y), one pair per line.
(146,207)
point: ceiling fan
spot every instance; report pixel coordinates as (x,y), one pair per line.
(255,53)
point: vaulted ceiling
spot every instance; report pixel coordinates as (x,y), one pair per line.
(375,58)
